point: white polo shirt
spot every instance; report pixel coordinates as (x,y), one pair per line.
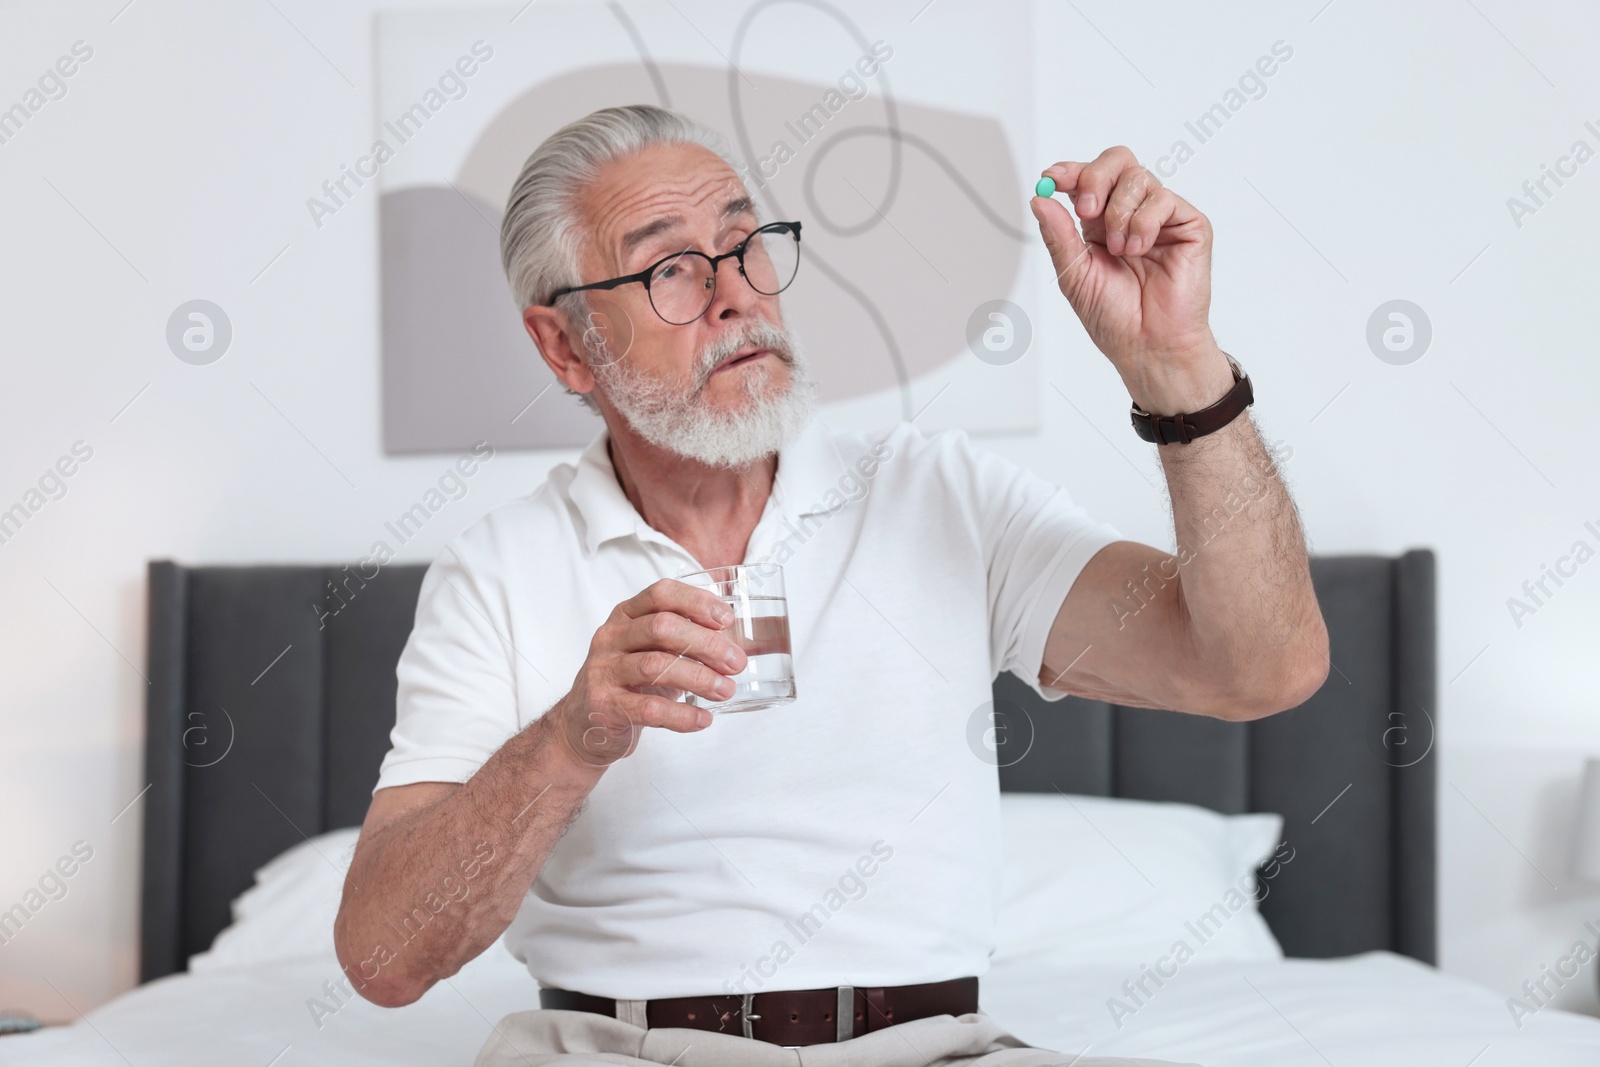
(850,837)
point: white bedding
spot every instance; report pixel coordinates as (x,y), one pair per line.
(1093,888)
(1375,1010)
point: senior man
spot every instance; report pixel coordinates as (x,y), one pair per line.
(659,869)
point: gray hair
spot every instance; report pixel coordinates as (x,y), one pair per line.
(541,238)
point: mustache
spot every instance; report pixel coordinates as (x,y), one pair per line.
(752,332)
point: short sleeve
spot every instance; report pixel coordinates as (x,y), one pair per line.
(455,702)
(1035,541)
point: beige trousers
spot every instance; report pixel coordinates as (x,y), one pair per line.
(585,1039)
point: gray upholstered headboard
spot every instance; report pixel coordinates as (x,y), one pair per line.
(267,721)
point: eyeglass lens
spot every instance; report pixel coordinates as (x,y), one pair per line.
(682,287)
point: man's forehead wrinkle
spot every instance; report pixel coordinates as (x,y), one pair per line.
(622,206)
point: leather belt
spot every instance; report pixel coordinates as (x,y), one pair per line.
(792,1017)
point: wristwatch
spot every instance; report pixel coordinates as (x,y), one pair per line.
(1185,427)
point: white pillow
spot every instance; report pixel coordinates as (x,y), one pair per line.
(288,913)
(1104,880)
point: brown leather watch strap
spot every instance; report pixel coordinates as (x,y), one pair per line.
(792,1016)
(1182,428)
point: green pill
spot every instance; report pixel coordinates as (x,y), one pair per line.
(1046,187)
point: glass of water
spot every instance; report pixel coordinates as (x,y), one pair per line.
(760,626)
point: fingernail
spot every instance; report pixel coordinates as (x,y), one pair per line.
(1086,204)
(703,719)
(724,614)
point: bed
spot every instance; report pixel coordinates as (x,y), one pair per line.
(268,715)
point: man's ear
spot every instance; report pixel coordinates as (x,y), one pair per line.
(549,328)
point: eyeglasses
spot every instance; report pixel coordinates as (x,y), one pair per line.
(682,286)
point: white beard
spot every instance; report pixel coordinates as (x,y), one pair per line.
(678,419)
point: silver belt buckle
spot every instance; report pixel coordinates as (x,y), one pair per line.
(843,1015)
(745,1018)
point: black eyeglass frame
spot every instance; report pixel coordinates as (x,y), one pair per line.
(737,252)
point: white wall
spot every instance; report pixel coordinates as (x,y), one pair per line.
(1377,166)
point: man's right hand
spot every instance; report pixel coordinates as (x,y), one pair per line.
(669,639)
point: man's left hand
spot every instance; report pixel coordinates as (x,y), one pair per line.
(1139,277)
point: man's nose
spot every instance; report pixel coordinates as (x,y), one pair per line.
(734,295)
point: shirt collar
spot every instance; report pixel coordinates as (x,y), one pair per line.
(808,482)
